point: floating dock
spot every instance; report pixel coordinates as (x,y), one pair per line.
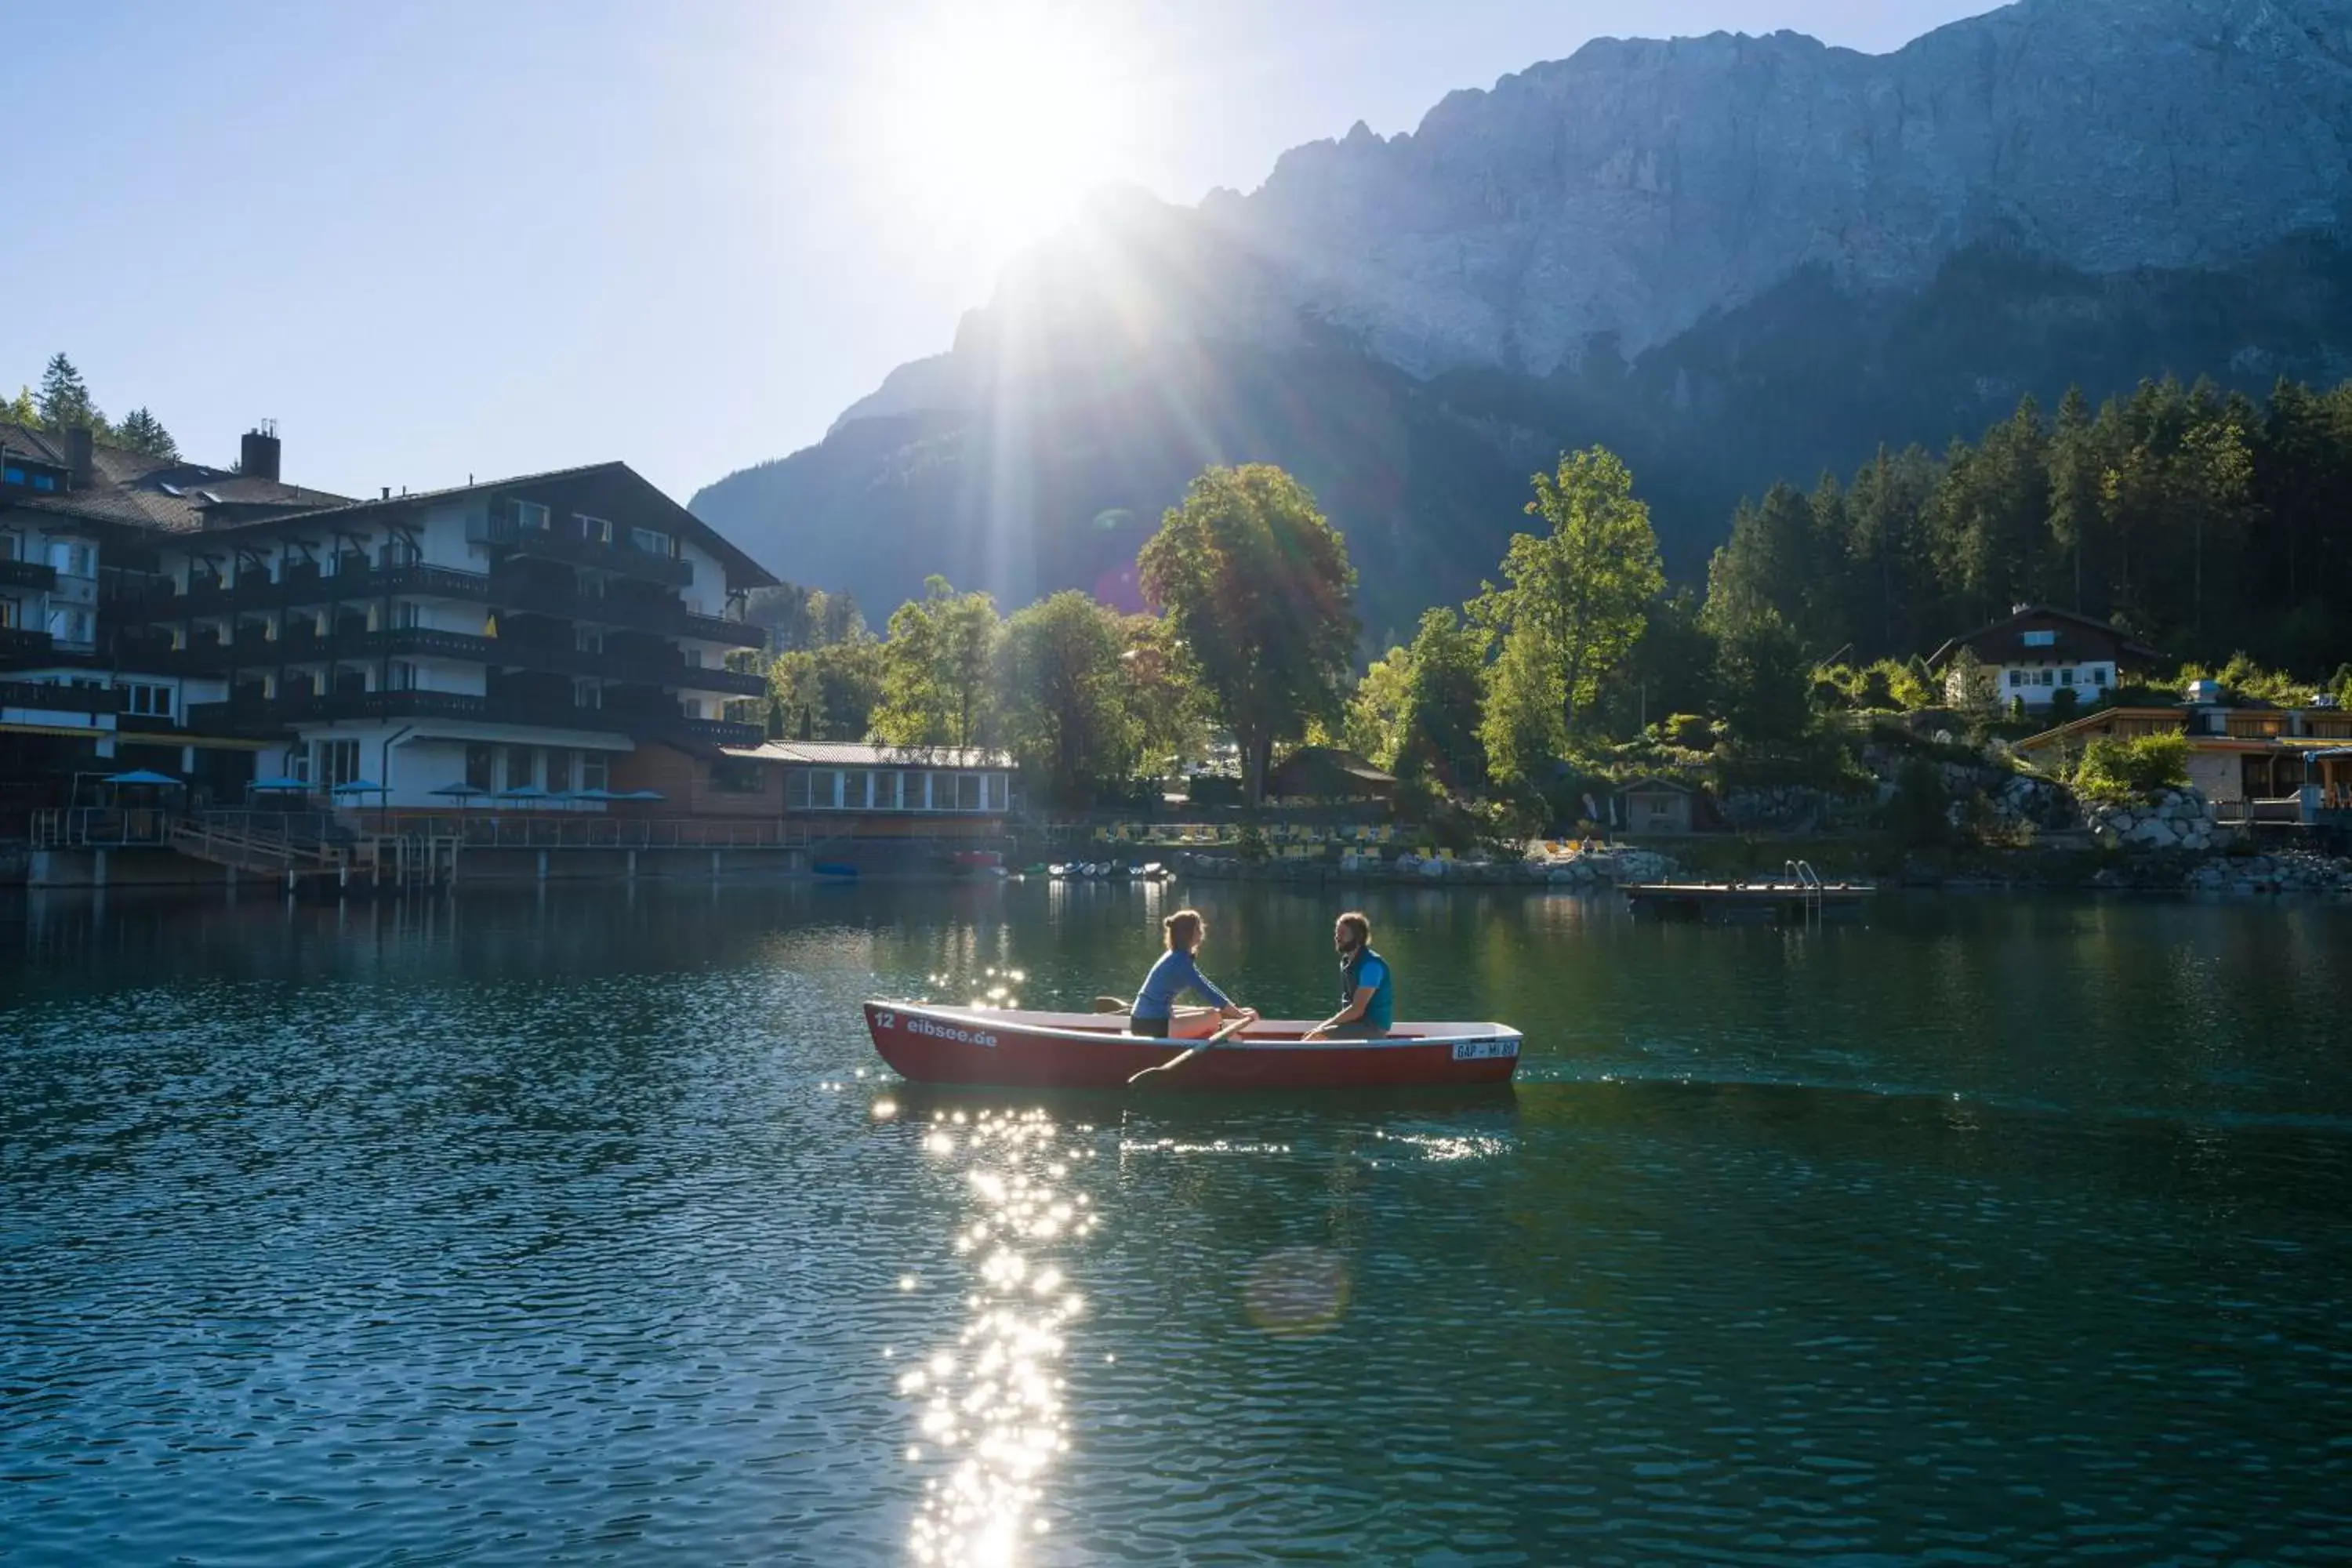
(1803,902)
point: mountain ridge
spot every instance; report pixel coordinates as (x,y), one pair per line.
(1667,245)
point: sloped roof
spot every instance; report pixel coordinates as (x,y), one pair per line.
(137,489)
(2078,630)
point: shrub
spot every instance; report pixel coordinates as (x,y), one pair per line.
(1690,732)
(2063,704)
(2126,770)
(1212,789)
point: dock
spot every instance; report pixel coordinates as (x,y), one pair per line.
(1790,902)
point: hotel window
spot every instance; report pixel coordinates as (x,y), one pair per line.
(2099,675)
(652,541)
(522,767)
(482,765)
(2017,678)
(338,764)
(594,530)
(2041,639)
(7,614)
(2066,677)
(11,547)
(796,789)
(154,701)
(587,694)
(559,770)
(401,676)
(736,775)
(530,514)
(403,614)
(596,771)
(587,639)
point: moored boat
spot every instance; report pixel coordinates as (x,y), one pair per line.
(1013,1050)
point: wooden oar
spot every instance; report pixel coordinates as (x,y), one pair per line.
(1235,1027)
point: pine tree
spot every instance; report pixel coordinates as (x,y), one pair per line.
(21,409)
(64,400)
(142,432)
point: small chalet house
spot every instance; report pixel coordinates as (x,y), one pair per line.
(2040,651)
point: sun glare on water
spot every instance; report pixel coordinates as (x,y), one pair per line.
(1000,117)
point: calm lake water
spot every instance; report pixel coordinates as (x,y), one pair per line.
(585,1228)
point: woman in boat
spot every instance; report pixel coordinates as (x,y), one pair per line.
(1177,971)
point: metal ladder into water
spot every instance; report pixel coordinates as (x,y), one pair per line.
(1812,895)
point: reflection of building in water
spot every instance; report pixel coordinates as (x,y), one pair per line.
(992,1421)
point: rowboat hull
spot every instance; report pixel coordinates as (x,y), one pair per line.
(1074,1050)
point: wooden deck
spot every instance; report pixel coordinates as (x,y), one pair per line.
(1761,903)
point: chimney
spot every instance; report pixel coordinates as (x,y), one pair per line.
(258,454)
(81,457)
(387,492)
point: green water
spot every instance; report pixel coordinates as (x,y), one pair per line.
(586,1228)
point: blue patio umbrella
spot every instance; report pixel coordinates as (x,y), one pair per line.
(459,791)
(522,792)
(279,785)
(357,786)
(641,795)
(144,776)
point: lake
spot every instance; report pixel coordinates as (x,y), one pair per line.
(585,1227)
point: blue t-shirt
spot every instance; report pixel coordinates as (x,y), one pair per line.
(1368,968)
(1174,973)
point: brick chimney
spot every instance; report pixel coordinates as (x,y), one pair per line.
(82,459)
(257,454)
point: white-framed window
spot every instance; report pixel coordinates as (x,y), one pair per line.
(2099,675)
(885,791)
(587,639)
(336,763)
(401,676)
(2041,639)
(12,546)
(967,792)
(595,529)
(652,541)
(2017,678)
(2066,677)
(530,514)
(401,615)
(522,767)
(915,792)
(9,614)
(596,771)
(998,787)
(154,701)
(559,769)
(796,789)
(481,766)
(587,694)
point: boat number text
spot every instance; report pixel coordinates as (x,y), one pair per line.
(1480,1050)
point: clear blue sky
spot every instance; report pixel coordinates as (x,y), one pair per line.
(444,237)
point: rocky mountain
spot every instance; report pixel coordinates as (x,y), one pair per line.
(1734,258)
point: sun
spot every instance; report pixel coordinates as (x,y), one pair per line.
(1000,117)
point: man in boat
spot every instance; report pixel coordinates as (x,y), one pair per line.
(1367,990)
(1176,973)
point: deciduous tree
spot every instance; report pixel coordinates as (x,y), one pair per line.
(937,665)
(1258,591)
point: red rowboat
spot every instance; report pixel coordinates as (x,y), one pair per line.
(925,1043)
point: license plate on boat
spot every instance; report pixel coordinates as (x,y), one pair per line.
(1482,1050)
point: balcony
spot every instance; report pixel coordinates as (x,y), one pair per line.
(551,544)
(17,573)
(42,697)
(23,642)
(513,591)
(252,716)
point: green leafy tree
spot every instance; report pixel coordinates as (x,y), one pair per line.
(1443,708)
(1573,604)
(937,668)
(21,409)
(826,693)
(1374,726)
(142,432)
(64,401)
(1065,714)
(1157,684)
(1257,588)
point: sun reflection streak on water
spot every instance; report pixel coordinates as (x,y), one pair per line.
(992,1420)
